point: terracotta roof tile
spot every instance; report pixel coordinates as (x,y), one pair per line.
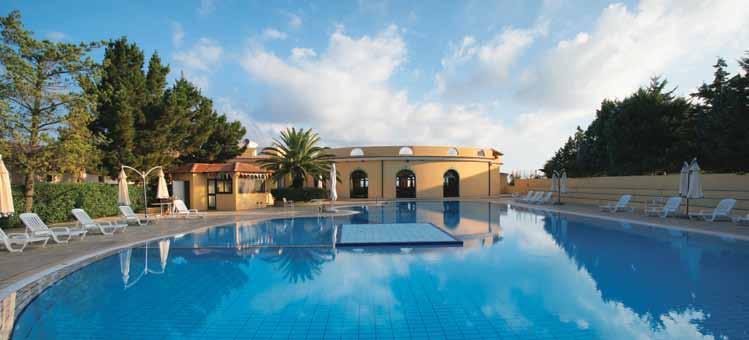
(218,167)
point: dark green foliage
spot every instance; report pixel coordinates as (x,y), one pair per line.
(121,94)
(722,116)
(652,131)
(299,194)
(53,201)
(148,124)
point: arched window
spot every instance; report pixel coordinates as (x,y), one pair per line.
(406,151)
(451,184)
(405,184)
(359,184)
(481,153)
(452,152)
(357,152)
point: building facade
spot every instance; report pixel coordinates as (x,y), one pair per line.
(419,172)
(222,186)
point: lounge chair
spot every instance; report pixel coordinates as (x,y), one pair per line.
(621,205)
(21,239)
(86,222)
(524,198)
(742,220)
(722,211)
(37,228)
(545,199)
(130,216)
(536,196)
(180,209)
(670,208)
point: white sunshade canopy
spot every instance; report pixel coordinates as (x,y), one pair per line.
(123,197)
(554,182)
(162,192)
(684,180)
(695,183)
(563,182)
(333,193)
(6,196)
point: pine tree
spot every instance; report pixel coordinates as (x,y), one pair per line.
(121,93)
(41,102)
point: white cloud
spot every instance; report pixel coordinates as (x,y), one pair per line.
(56,36)
(299,54)
(178,34)
(295,21)
(472,64)
(346,95)
(626,47)
(199,61)
(207,7)
(273,34)
(346,90)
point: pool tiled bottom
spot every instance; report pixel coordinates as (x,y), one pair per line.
(195,309)
(394,234)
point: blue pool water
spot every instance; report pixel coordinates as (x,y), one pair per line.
(519,275)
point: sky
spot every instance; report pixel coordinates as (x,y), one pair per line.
(517,76)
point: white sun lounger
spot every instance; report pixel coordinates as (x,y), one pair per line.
(130,216)
(670,208)
(742,220)
(21,239)
(722,211)
(88,223)
(525,198)
(180,209)
(545,198)
(536,196)
(37,228)
(621,205)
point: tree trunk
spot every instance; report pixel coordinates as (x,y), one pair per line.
(29,191)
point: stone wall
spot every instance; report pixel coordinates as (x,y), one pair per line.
(596,190)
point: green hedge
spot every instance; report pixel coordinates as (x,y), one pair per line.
(299,194)
(53,201)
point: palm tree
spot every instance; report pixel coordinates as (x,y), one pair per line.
(296,154)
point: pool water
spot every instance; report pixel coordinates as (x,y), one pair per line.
(519,275)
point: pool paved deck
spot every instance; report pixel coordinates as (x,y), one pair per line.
(19,269)
(723,228)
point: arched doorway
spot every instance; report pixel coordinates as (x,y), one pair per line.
(359,184)
(451,184)
(405,184)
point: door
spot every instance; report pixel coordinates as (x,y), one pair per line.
(405,184)
(212,194)
(451,184)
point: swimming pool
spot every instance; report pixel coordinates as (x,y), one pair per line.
(519,275)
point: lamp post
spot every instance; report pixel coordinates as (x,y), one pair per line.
(143,175)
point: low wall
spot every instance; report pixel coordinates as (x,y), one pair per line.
(596,190)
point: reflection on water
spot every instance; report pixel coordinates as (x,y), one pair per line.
(125,257)
(520,274)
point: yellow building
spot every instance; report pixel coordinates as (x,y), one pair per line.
(421,172)
(221,186)
(375,172)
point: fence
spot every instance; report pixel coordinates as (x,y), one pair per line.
(596,190)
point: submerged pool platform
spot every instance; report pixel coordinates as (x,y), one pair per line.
(394,234)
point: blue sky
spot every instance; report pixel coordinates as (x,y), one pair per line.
(514,75)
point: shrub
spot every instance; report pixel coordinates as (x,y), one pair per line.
(53,201)
(299,194)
